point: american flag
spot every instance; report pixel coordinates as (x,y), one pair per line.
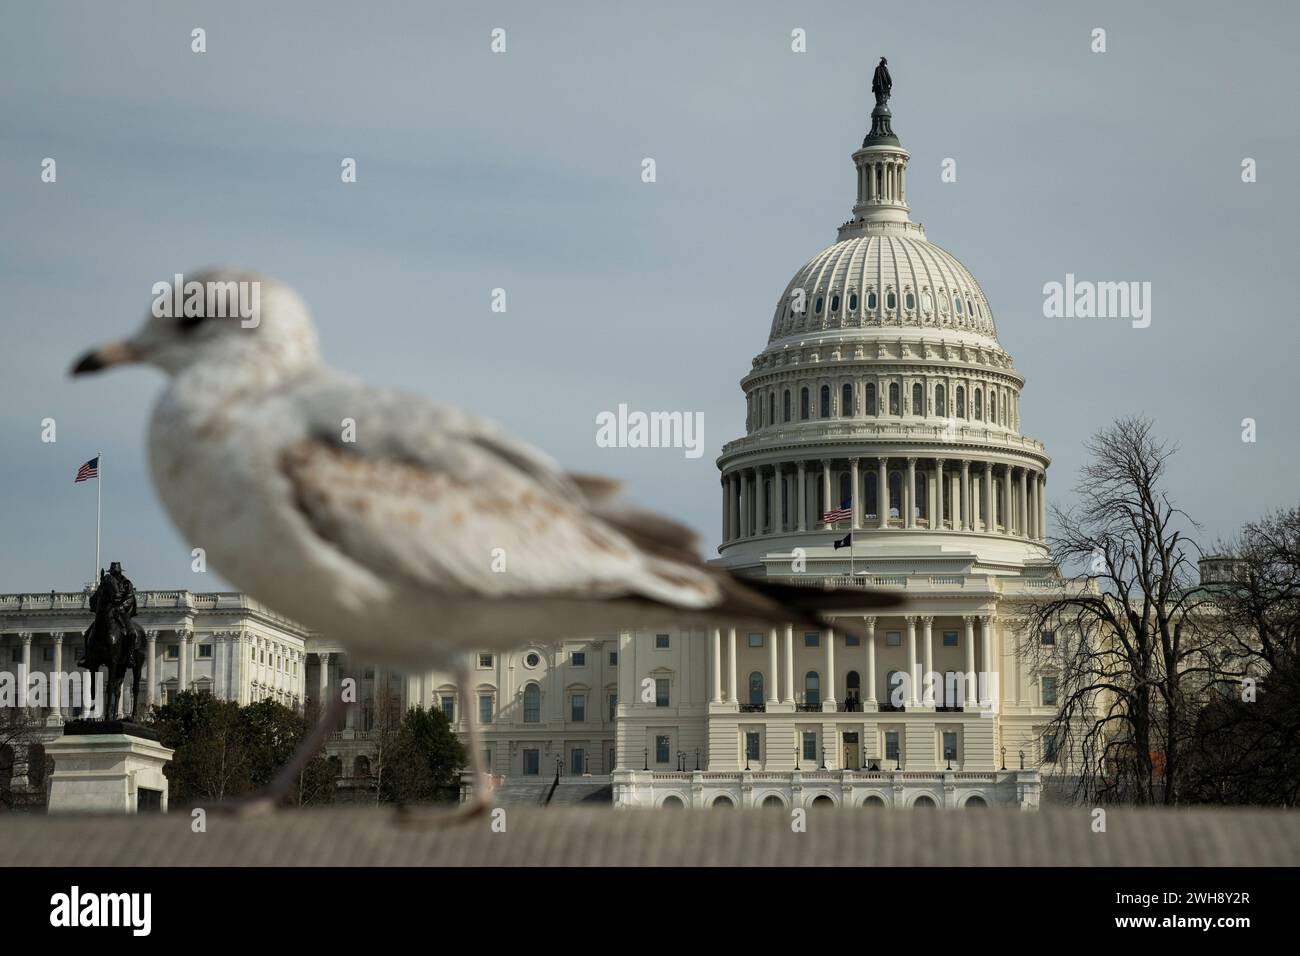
(838,514)
(89,470)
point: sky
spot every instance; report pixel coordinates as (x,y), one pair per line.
(522,171)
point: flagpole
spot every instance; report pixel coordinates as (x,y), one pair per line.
(99,502)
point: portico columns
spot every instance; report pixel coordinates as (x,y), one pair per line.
(938,494)
(726,509)
(324,681)
(882,492)
(986,653)
(801,506)
(1033,507)
(871,663)
(1042,507)
(56,685)
(910,497)
(911,661)
(828,635)
(731,666)
(1007,520)
(966,523)
(826,492)
(715,660)
(789,663)
(970,696)
(990,515)
(151,691)
(774,671)
(764,502)
(781,512)
(734,489)
(183,668)
(26,682)
(928,638)
(855,493)
(745,531)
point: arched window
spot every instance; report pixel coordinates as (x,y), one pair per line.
(871,497)
(918,399)
(911,302)
(812,692)
(785,406)
(956,306)
(970,308)
(846,490)
(895,403)
(975,801)
(336,765)
(871,398)
(803,402)
(924,801)
(940,408)
(672,800)
(853,691)
(993,407)
(846,400)
(979,405)
(361,766)
(853,302)
(818,307)
(871,302)
(756,688)
(927,303)
(921,496)
(835,304)
(532,704)
(826,401)
(891,300)
(723,801)
(895,495)
(873,802)
(960,405)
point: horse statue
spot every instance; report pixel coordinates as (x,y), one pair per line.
(115,640)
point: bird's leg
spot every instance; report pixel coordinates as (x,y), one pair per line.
(287,779)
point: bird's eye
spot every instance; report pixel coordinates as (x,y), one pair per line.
(189,323)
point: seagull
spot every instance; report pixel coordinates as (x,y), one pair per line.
(416,533)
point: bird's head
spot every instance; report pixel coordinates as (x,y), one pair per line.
(227,314)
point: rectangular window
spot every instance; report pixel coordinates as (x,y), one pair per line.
(1049,691)
(950,745)
(204,652)
(449,707)
(751,744)
(48,653)
(1049,637)
(579,659)
(809,745)
(891,744)
(613,707)
(613,760)
(578,708)
(532,763)
(613,658)
(173,652)
(661,691)
(577,761)
(485,660)
(894,638)
(485,709)
(756,640)
(661,642)
(661,749)
(1049,748)
(949,638)
(852,640)
(812,639)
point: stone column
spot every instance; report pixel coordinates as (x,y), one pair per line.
(726,510)
(990,515)
(745,530)
(871,663)
(151,690)
(928,645)
(715,665)
(855,493)
(938,495)
(828,635)
(773,670)
(56,685)
(971,692)
(781,514)
(986,654)
(1042,507)
(1023,512)
(789,663)
(731,666)
(324,688)
(26,683)
(733,483)
(183,665)
(801,506)
(827,503)
(966,523)
(910,496)
(911,662)
(1007,507)
(882,491)
(1033,506)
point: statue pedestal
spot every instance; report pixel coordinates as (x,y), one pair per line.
(107,766)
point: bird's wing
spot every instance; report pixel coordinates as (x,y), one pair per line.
(447,501)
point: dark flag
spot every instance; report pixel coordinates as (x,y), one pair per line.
(844,542)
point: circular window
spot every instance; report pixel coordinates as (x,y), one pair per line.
(532,659)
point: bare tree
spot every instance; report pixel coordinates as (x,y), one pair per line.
(1126,640)
(385,736)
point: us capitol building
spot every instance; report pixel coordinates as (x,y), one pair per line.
(882,391)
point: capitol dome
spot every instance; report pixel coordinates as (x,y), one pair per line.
(883,403)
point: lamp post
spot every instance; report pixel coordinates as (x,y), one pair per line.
(1022,760)
(647,759)
(1004,757)
(697,758)
(796,756)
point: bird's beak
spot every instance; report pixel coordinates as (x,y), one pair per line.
(115,353)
